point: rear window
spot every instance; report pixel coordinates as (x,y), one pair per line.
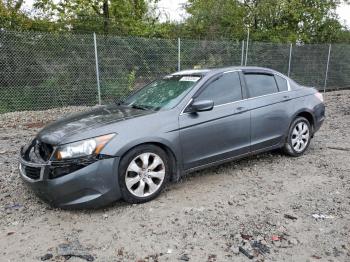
(260,84)
(282,83)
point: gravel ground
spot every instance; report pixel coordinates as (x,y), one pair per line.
(270,206)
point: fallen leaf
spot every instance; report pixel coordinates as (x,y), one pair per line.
(275,238)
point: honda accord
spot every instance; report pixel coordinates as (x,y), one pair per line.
(183,122)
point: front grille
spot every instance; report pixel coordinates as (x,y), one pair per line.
(32,172)
(39,154)
(64,167)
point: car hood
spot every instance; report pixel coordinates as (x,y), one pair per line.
(72,124)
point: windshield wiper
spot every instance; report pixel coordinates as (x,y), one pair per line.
(141,107)
(119,102)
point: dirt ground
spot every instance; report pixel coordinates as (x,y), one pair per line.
(274,207)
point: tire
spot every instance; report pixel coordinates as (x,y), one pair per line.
(299,137)
(143,173)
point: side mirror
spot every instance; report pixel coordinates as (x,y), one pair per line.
(200,106)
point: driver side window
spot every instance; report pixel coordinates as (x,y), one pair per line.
(225,89)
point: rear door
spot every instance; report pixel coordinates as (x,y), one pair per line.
(218,134)
(270,105)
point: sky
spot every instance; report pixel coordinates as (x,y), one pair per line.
(344,14)
(172,10)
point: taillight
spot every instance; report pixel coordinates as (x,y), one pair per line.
(319,96)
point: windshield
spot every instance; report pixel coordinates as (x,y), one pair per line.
(162,94)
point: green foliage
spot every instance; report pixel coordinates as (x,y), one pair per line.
(113,16)
(119,87)
(213,18)
(131,80)
(36,98)
(37,70)
(313,21)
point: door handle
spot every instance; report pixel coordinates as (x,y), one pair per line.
(286,98)
(240,110)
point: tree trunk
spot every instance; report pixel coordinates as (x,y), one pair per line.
(105,16)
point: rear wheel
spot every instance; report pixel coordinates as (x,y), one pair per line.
(299,137)
(143,173)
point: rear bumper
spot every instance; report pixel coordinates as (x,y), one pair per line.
(93,186)
(319,113)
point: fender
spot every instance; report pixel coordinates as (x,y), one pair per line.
(304,110)
(174,150)
(157,140)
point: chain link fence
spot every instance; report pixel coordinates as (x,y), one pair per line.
(42,70)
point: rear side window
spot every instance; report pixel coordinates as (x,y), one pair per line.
(225,89)
(260,84)
(282,83)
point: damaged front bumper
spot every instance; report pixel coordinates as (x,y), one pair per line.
(93,184)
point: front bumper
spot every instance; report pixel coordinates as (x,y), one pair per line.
(92,186)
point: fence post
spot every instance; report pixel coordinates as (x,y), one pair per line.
(179,54)
(290,58)
(326,77)
(242,56)
(246,53)
(97,72)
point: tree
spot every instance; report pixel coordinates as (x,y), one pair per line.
(213,18)
(269,20)
(11,16)
(304,21)
(122,17)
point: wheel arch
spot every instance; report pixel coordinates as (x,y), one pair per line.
(308,115)
(173,159)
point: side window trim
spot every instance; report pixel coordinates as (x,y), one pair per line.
(214,78)
(278,87)
(288,84)
(267,72)
(198,92)
(243,86)
(229,87)
(258,73)
(242,83)
(206,84)
(245,95)
(270,74)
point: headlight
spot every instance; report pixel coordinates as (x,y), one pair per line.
(82,148)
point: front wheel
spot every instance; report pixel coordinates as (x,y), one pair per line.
(143,173)
(299,137)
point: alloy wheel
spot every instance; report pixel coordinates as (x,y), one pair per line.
(300,136)
(145,174)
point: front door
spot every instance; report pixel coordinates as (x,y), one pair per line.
(221,133)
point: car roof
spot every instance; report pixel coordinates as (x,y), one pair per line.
(192,72)
(213,71)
